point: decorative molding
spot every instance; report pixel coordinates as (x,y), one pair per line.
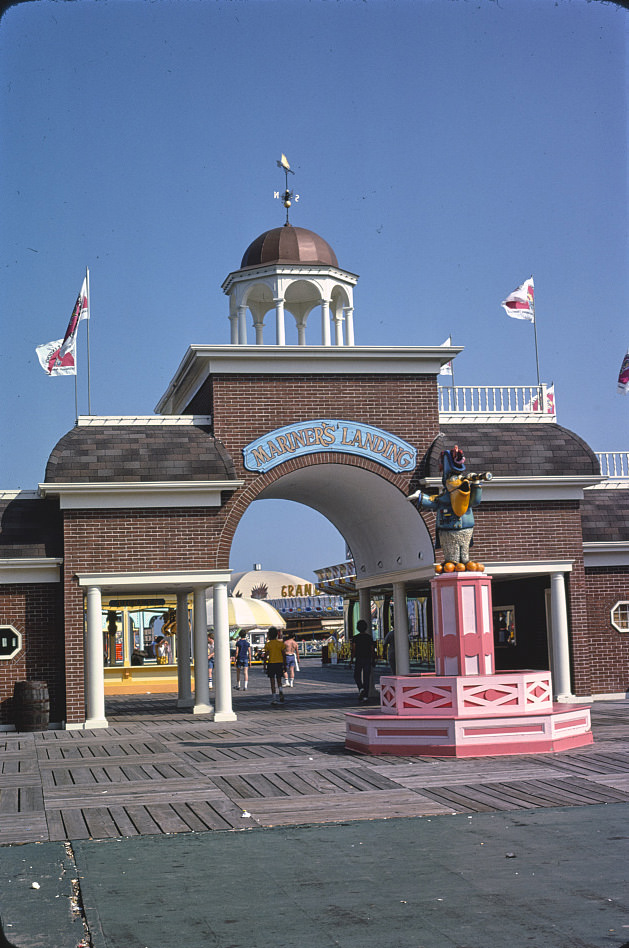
(30,569)
(141,494)
(514,489)
(611,553)
(99,421)
(200,362)
(164,580)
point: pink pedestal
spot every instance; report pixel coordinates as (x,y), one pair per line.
(465,710)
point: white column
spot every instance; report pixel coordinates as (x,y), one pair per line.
(301,333)
(94,661)
(222,670)
(325,323)
(184,686)
(400,632)
(349,325)
(233,320)
(560,643)
(338,329)
(242,325)
(259,328)
(280,330)
(364,606)
(199,643)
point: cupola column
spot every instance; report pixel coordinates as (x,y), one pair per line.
(325,323)
(233,321)
(258,325)
(338,329)
(349,325)
(280,332)
(242,325)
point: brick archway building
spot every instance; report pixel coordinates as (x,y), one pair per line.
(151,504)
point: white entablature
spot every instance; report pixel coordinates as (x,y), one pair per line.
(290,269)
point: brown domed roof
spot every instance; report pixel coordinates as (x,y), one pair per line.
(130,453)
(288,245)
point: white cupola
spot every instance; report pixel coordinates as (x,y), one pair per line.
(291,270)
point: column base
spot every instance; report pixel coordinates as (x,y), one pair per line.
(185,703)
(225,716)
(202,709)
(93,723)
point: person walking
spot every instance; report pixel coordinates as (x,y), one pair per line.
(210,655)
(275,663)
(292,658)
(364,657)
(243,660)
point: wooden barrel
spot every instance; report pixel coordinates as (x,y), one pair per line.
(31,705)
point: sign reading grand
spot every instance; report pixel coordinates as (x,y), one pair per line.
(312,437)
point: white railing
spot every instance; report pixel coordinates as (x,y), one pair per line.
(614,463)
(492,402)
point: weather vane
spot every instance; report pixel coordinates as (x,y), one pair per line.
(287,196)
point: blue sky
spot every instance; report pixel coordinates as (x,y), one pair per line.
(446,150)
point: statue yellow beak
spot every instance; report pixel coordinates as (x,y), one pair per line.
(459,495)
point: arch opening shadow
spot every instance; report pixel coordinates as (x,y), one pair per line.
(385,533)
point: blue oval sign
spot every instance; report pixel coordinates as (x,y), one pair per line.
(312,437)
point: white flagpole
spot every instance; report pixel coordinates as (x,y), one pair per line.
(536,353)
(89,319)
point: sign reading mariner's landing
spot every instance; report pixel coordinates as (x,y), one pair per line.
(312,437)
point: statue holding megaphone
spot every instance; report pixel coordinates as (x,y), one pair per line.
(454,507)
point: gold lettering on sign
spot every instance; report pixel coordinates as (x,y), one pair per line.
(260,455)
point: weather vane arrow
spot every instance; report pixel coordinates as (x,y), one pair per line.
(288,195)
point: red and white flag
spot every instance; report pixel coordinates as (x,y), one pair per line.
(446,368)
(550,401)
(59,357)
(623,376)
(521,303)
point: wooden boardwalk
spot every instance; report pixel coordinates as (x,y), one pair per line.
(156,770)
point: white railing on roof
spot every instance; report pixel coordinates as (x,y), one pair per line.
(614,463)
(524,403)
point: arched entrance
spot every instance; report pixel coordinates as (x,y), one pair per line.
(385,534)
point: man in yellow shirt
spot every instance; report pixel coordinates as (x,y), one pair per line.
(275,662)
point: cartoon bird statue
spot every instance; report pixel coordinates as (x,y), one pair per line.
(455,517)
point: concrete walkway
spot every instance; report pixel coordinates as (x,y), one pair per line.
(316,855)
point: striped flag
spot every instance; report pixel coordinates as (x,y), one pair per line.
(59,357)
(623,376)
(521,303)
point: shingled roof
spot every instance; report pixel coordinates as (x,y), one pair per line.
(605,516)
(30,527)
(130,453)
(512,450)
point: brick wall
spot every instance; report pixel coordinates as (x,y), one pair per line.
(608,653)
(179,538)
(35,610)
(246,407)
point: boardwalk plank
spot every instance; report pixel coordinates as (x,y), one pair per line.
(75,825)
(100,823)
(167,819)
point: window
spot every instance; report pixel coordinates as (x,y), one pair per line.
(620,616)
(10,642)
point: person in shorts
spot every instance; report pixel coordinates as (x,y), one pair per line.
(210,655)
(275,662)
(243,660)
(292,652)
